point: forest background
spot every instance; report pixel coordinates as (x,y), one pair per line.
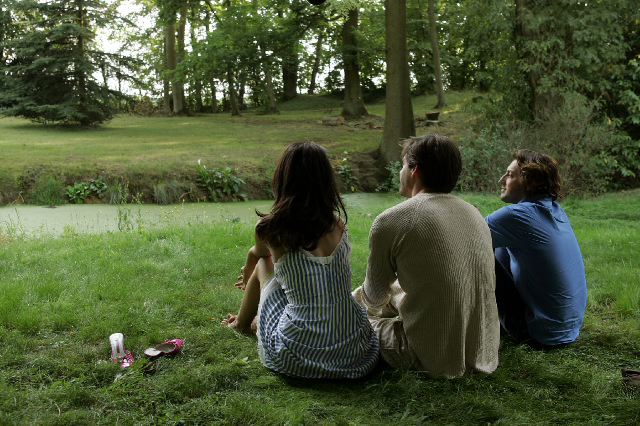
(232,82)
(558,76)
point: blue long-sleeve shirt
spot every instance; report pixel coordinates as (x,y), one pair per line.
(535,240)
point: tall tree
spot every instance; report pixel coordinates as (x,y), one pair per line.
(419,45)
(51,73)
(398,120)
(317,58)
(7,28)
(435,49)
(568,46)
(290,62)
(167,17)
(353,105)
(294,20)
(195,69)
(212,82)
(179,98)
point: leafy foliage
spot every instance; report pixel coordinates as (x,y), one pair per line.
(392,184)
(221,184)
(594,156)
(49,66)
(48,190)
(345,172)
(80,191)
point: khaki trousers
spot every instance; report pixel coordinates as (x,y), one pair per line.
(387,324)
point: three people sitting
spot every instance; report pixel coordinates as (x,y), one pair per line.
(435,294)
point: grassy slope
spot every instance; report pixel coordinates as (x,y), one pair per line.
(61,298)
(162,145)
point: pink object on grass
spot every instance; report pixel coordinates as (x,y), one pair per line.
(168,348)
(119,355)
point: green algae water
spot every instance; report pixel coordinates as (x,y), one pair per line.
(37,221)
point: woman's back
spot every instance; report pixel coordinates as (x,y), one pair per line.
(309,325)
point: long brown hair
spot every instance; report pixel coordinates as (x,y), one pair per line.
(306,199)
(540,174)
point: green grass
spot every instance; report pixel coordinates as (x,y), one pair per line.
(147,155)
(60,298)
(158,147)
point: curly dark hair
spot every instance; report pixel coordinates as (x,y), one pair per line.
(307,201)
(540,174)
(438,160)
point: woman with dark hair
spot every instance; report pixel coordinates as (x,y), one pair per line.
(297,277)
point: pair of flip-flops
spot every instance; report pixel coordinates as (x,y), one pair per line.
(124,358)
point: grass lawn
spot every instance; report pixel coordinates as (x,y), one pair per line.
(156,147)
(60,299)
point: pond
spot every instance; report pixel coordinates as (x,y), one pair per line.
(33,221)
(37,221)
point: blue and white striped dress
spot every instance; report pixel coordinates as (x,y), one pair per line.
(308,323)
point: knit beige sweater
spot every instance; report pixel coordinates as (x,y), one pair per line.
(439,249)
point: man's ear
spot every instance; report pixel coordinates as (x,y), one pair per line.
(415,173)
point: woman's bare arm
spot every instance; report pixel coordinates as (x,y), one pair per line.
(258,251)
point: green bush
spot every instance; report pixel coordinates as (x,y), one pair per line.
(47,191)
(221,184)
(484,159)
(592,153)
(349,182)
(80,191)
(392,183)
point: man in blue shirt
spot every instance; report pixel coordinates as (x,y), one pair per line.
(541,288)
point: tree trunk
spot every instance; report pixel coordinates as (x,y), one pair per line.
(166,84)
(353,106)
(81,78)
(166,96)
(105,78)
(242,85)
(538,103)
(290,73)
(212,81)
(422,68)
(5,22)
(170,43)
(179,106)
(271,106)
(316,62)
(214,99)
(398,118)
(233,98)
(435,48)
(197,82)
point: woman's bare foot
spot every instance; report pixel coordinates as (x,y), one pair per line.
(232,322)
(240,284)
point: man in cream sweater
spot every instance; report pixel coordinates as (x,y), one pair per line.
(430,284)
